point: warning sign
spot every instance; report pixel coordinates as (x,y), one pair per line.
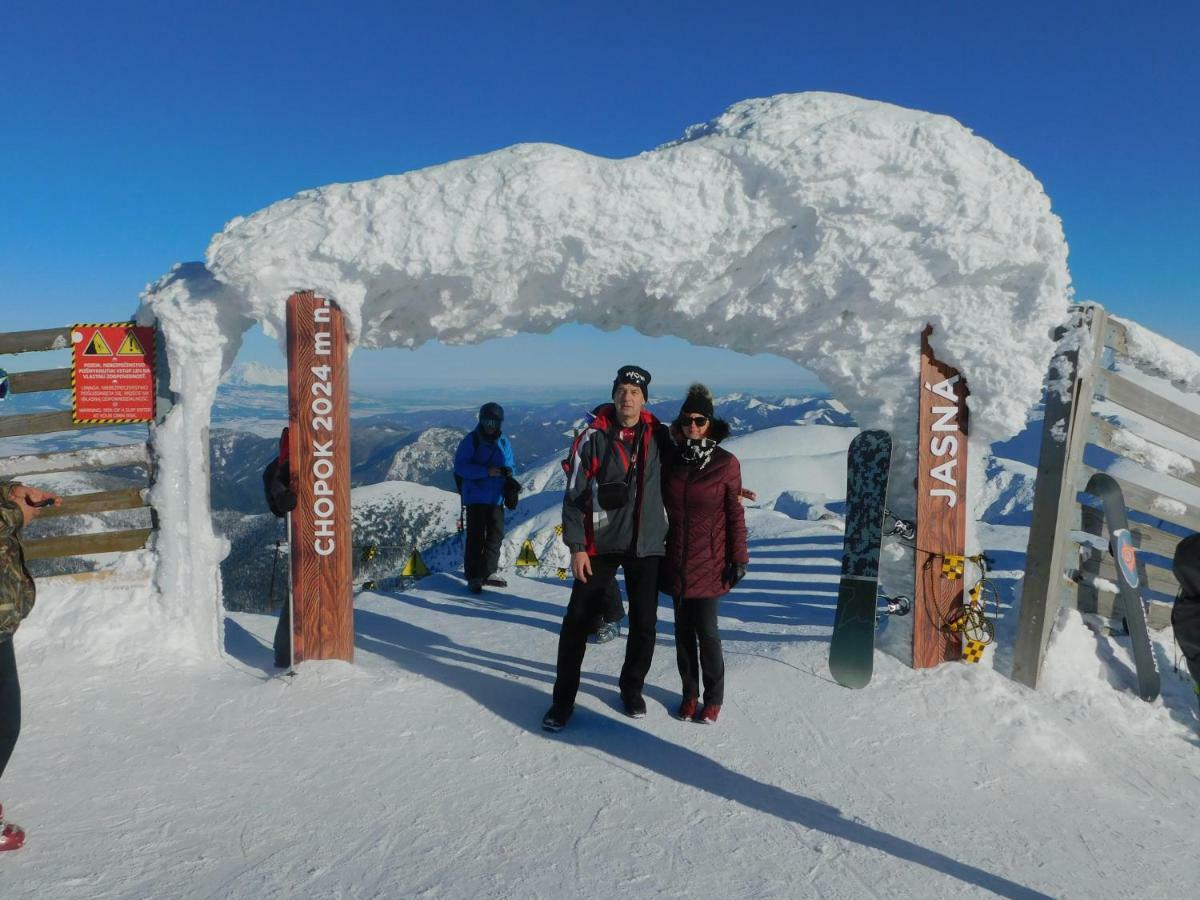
(110,388)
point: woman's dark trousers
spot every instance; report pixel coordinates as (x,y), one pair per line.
(698,649)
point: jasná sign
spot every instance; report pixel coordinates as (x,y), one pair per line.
(112,374)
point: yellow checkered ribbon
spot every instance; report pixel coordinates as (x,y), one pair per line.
(973,651)
(562,574)
(953,567)
(558,530)
(957,625)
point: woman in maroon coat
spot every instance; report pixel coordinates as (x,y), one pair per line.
(706,547)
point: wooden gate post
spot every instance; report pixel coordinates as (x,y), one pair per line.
(941,507)
(1064,435)
(319,456)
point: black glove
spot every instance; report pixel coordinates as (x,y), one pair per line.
(734,572)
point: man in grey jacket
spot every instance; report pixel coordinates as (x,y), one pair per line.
(613,518)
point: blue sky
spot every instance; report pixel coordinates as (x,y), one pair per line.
(131,132)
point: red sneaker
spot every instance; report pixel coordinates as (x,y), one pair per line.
(687,709)
(11,836)
(708,714)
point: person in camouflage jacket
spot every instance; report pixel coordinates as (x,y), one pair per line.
(16,587)
(18,506)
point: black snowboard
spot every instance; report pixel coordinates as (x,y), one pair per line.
(1120,544)
(852,648)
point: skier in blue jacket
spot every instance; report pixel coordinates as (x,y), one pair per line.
(482,465)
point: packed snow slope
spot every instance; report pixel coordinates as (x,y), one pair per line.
(421,770)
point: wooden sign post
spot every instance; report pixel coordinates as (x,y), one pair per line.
(319,452)
(941,508)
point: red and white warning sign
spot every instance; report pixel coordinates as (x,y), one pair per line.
(112,374)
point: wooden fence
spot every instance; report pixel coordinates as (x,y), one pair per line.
(1066,564)
(135,453)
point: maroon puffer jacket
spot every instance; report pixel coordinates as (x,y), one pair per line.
(707,526)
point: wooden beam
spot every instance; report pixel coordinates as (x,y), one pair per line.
(43,380)
(1150,502)
(1107,435)
(100,501)
(32,341)
(1157,578)
(119,456)
(86,544)
(1117,337)
(1137,399)
(44,423)
(1145,537)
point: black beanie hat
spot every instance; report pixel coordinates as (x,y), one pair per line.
(635,375)
(699,401)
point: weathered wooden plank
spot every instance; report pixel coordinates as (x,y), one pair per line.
(87,544)
(118,456)
(1116,337)
(1054,502)
(42,380)
(1109,436)
(37,423)
(1145,537)
(1157,579)
(100,501)
(32,341)
(1137,399)
(1149,502)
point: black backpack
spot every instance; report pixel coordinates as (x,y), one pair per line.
(1185,616)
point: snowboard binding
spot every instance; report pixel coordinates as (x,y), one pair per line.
(904,529)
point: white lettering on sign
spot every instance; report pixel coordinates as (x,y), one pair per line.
(945,446)
(321,407)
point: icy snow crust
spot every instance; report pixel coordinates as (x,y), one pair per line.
(821,227)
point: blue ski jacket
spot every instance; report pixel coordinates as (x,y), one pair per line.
(476,454)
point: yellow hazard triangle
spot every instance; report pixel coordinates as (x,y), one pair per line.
(527,556)
(97,346)
(415,567)
(131,346)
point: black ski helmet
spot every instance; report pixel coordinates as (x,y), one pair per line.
(491,411)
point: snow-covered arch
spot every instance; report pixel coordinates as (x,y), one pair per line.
(824,228)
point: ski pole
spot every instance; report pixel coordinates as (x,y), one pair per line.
(291,604)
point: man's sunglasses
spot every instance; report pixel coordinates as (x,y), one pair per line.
(698,421)
(490,423)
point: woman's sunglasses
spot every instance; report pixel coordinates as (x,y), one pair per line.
(698,421)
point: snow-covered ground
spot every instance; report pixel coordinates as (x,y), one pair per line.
(421,770)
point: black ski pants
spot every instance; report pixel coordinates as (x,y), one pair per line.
(485,531)
(10,702)
(698,649)
(588,601)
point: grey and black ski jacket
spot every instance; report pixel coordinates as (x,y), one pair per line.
(599,457)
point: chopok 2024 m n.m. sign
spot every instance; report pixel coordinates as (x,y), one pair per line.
(319,452)
(941,507)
